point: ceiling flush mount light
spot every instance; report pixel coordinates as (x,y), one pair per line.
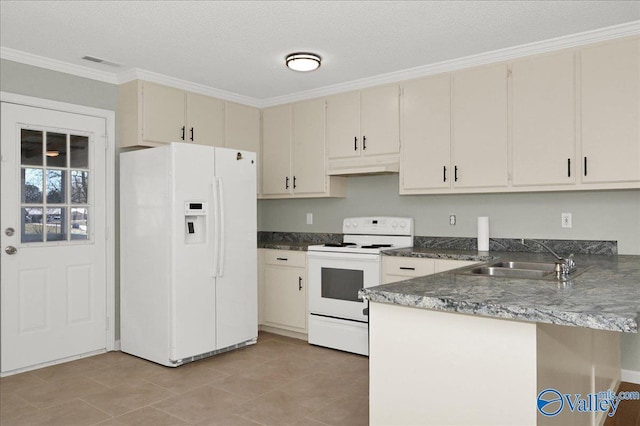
(303,61)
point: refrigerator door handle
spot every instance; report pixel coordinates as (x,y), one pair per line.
(216,227)
(221,241)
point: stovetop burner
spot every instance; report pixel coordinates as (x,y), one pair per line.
(339,245)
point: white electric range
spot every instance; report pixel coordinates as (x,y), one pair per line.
(338,318)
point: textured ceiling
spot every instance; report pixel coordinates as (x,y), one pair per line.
(240,46)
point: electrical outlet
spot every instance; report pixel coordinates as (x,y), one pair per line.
(309,218)
(452,219)
(566,220)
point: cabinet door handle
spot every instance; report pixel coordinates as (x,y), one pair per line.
(364,142)
(407,268)
(355,143)
(585,166)
(455,173)
(294,182)
(183,129)
(299,283)
(286,182)
(284,259)
(444,173)
(192,134)
(568,167)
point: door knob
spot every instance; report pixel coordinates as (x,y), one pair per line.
(9,232)
(10,250)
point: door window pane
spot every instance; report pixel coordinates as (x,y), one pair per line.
(56,186)
(30,147)
(56,150)
(79,187)
(79,225)
(31,226)
(79,147)
(32,185)
(56,224)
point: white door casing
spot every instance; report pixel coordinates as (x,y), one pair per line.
(57,291)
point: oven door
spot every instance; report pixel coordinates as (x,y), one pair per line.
(334,282)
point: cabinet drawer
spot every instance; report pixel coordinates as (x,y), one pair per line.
(285,258)
(408,267)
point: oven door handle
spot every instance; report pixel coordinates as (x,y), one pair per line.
(365,311)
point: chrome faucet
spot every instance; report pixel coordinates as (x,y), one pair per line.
(564,266)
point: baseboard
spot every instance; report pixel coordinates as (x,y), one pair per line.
(282,332)
(631,376)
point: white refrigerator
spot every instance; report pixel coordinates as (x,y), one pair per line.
(188,252)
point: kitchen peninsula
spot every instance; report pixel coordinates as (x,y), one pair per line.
(458,348)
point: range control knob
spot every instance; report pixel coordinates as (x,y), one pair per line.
(355,225)
(394,225)
(347,225)
(402,224)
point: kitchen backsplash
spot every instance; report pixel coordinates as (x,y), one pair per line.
(563,247)
(516,244)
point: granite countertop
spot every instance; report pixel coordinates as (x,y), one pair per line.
(284,245)
(434,253)
(604,293)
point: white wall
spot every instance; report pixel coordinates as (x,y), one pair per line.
(597,215)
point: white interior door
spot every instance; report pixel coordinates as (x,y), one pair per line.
(53,296)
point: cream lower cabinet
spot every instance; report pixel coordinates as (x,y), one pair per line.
(610,104)
(398,268)
(283,290)
(150,114)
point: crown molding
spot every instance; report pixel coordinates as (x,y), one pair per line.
(573,40)
(564,42)
(140,74)
(56,65)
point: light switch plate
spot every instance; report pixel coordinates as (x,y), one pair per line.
(566,220)
(309,218)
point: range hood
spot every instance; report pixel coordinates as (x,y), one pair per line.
(373,165)
(365,169)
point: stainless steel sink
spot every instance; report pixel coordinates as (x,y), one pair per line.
(509,272)
(536,266)
(516,269)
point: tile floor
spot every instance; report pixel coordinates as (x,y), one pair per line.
(278,381)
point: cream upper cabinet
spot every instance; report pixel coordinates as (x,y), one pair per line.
(343,125)
(544,120)
(380,120)
(426,126)
(479,127)
(276,150)
(242,131)
(205,124)
(162,114)
(294,154)
(241,127)
(150,114)
(309,168)
(363,128)
(610,107)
